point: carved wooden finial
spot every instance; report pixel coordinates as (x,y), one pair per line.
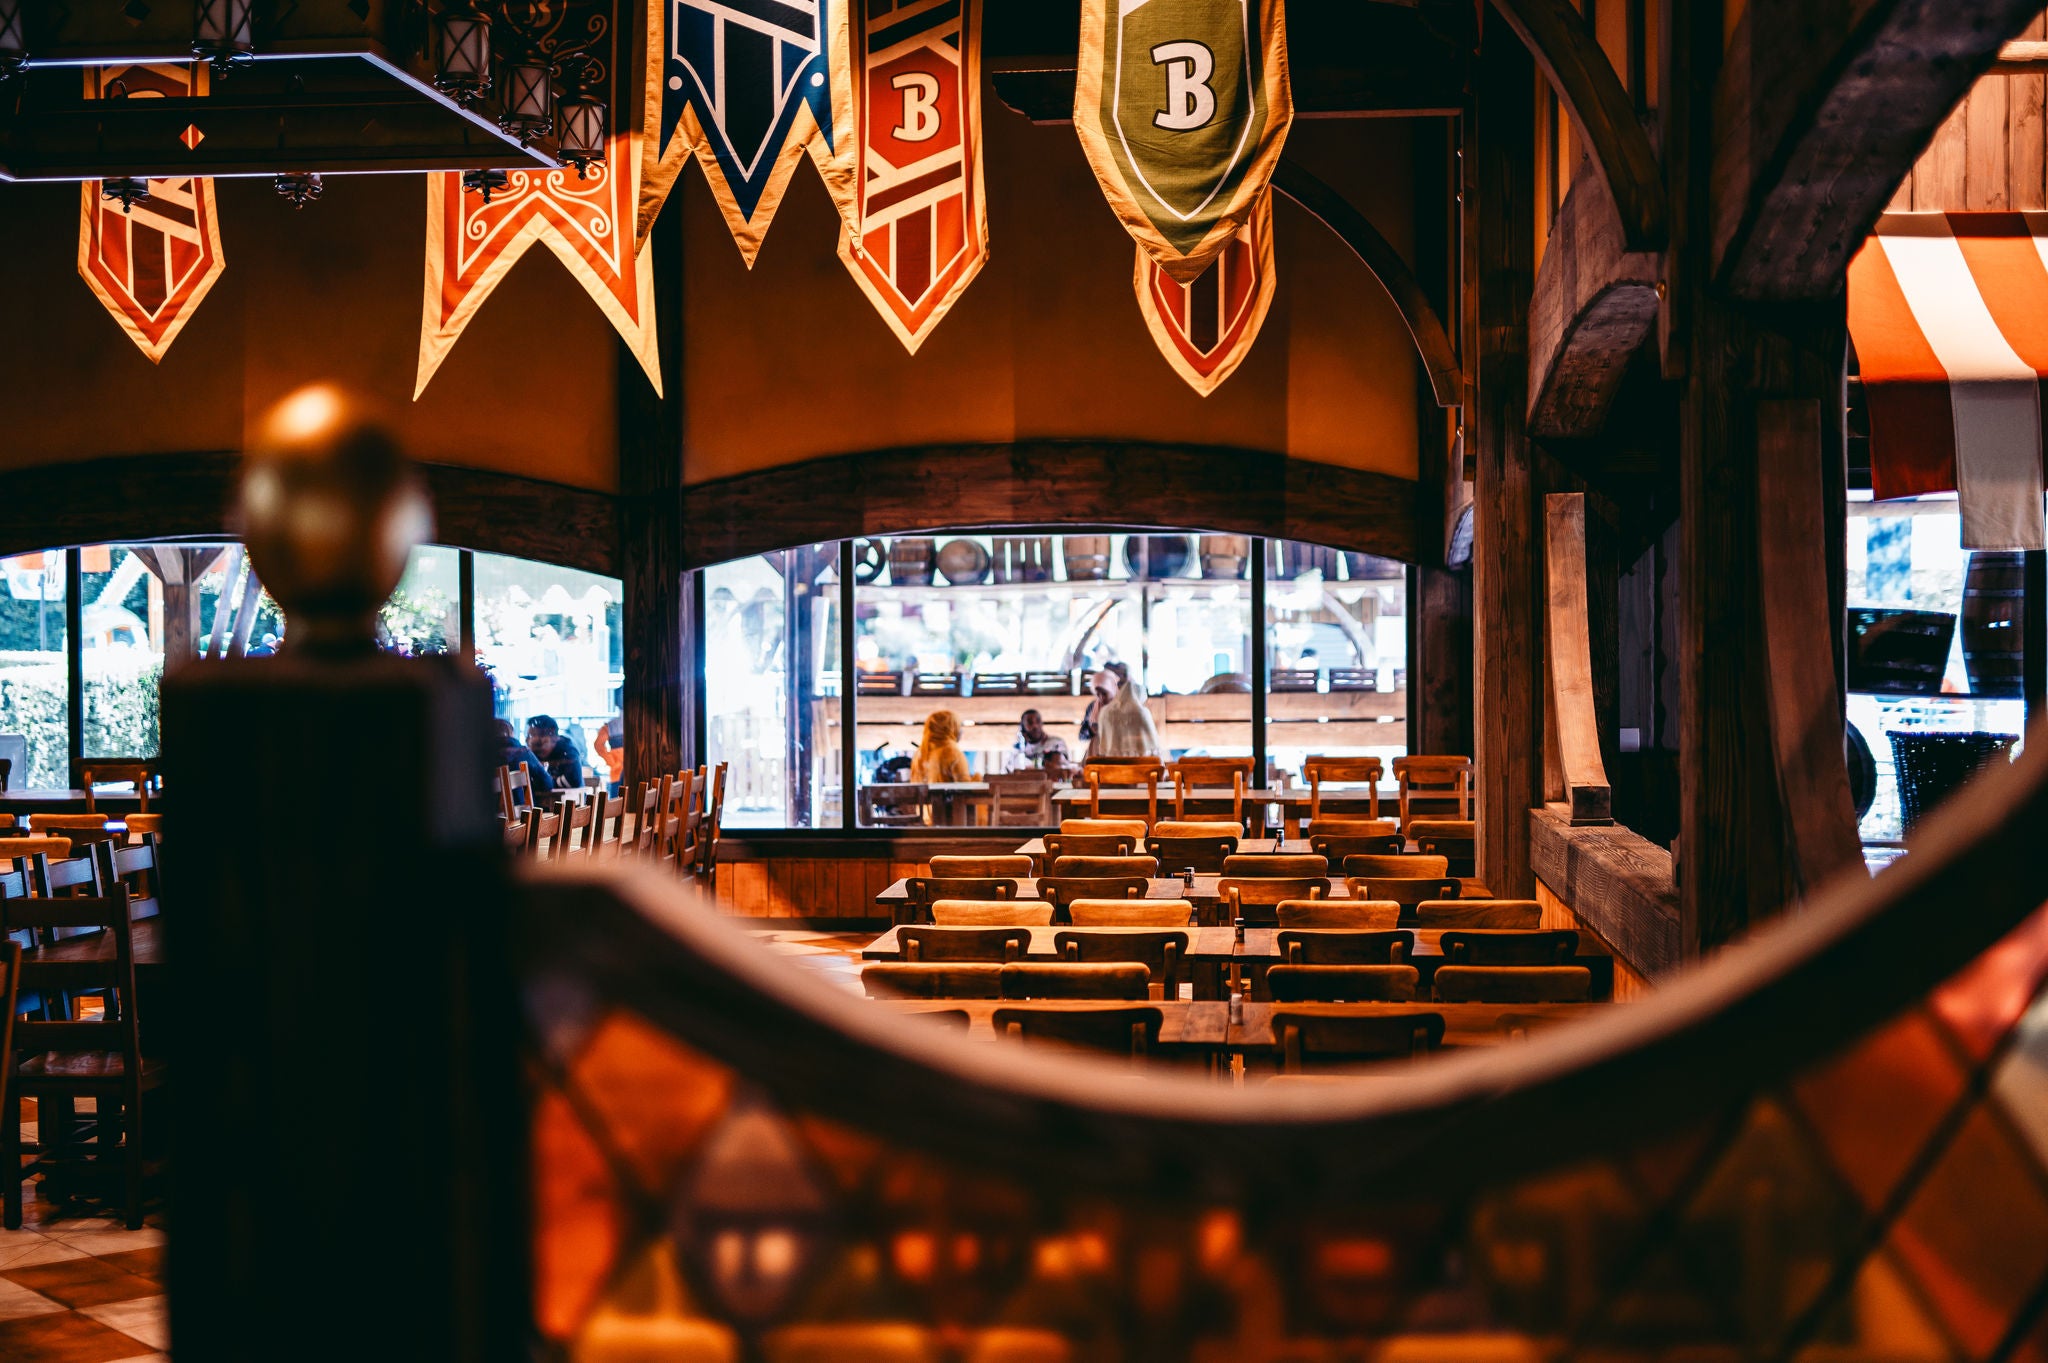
(330,510)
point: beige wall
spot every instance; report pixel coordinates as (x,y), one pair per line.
(789,361)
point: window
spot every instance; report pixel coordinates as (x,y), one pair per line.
(548,637)
(1337,640)
(772,688)
(35,675)
(424,615)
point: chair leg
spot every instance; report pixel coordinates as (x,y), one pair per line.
(10,1153)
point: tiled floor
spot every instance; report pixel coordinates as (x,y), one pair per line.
(81,1289)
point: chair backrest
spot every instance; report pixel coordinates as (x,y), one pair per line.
(1430,834)
(714,821)
(608,835)
(1059,845)
(927,889)
(514,788)
(15,849)
(57,877)
(1342,826)
(1129,913)
(1499,946)
(575,819)
(1374,866)
(1291,679)
(1204,855)
(116,1029)
(1254,901)
(1147,773)
(1105,866)
(142,775)
(985,913)
(1308,1039)
(1276,864)
(901,803)
(1121,1031)
(1013,864)
(1020,799)
(135,870)
(1162,953)
(1135,828)
(1387,946)
(650,820)
(879,684)
(139,825)
(1336,847)
(1067,890)
(542,825)
(68,823)
(1231,773)
(1406,893)
(1199,826)
(1364,770)
(1524,914)
(964,944)
(1342,983)
(908,980)
(1513,983)
(1360,914)
(1029,980)
(1434,777)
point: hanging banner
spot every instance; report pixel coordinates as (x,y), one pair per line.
(1183,107)
(922,220)
(1205,328)
(749,86)
(152,265)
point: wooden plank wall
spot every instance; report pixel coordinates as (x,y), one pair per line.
(1992,153)
(816,888)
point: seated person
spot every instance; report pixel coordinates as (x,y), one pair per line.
(1037,748)
(514,754)
(939,758)
(556,752)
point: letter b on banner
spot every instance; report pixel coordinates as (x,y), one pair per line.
(920,106)
(1190,103)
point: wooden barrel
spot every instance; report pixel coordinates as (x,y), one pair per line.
(1087,557)
(910,562)
(1994,622)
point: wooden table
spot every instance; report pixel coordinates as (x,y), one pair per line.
(53,801)
(1203,893)
(1184,1026)
(1465,1024)
(1294,800)
(1259,846)
(954,802)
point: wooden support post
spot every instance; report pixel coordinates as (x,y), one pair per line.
(1574,716)
(1507,579)
(654,615)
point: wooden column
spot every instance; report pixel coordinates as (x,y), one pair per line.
(1507,576)
(654,616)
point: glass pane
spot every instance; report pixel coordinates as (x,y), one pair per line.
(1337,640)
(549,639)
(35,700)
(424,616)
(121,655)
(775,725)
(1935,658)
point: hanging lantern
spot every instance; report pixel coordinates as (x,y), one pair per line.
(298,187)
(580,131)
(224,32)
(485,182)
(529,101)
(126,190)
(464,72)
(13,38)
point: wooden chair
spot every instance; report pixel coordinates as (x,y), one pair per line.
(1199,826)
(1374,866)
(1029,980)
(1161,953)
(1013,864)
(1336,847)
(1338,826)
(144,776)
(1434,778)
(1383,947)
(58,1063)
(574,819)
(1404,891)
(921,892)
(608,826)
(83,829)
(57,877)
(1135,828)
(1120,1031)
(18,849)
(1456,840)
(144,825)
(1204,855)
(685,820)
(1020,799)
(1105,866)
(1522,914)
(135,870)
(895,805)
(1129,913)
(1342,983)
(964,944)
(1311,1039)
(1059,845)
(1513,984)
(1254,901)
(1125,773)
(894,980)
(514,789)
(650,819)
(1189,773)
(1268,864)
(543,826)
(986,913)
(1496,946)
(1350,914)
(514,835)
(714,825)
(1316,770)
(1065,891)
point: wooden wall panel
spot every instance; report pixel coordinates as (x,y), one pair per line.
(1990,154)
(1629,983)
